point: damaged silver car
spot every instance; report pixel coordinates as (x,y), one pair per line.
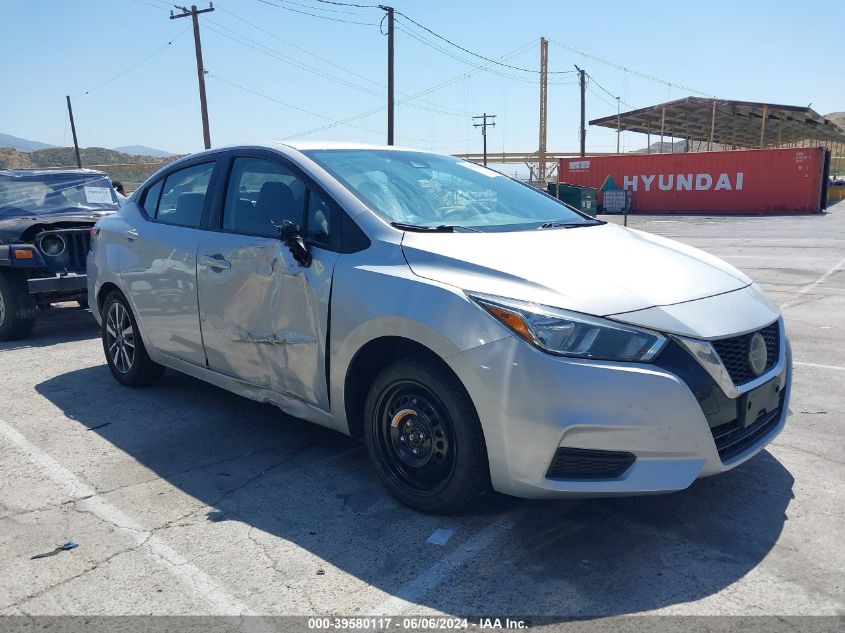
(474,331)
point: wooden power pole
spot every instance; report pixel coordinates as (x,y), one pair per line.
(390,30)
(194,13)
(73,130)
(544,93)
(582,80)
(484,125)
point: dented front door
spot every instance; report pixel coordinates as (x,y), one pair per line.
(263,317)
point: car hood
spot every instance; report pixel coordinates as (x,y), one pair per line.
(601,270)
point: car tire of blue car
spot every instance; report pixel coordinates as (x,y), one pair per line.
(17,309)
(126,354)
(424,438)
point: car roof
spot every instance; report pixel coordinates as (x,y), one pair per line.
(305,145)
(40,174)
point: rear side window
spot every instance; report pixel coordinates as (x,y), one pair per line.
(151,198)
(261,195)
(183,196)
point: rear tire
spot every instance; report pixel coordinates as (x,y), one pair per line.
(125,352)
(17,309)
(424,438)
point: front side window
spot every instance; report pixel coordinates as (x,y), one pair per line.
(183,196)
(430,190)
(318,221)
(261,195)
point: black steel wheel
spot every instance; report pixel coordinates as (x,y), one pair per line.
(424,438)
(124,349)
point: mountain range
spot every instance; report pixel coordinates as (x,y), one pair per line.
(27,145)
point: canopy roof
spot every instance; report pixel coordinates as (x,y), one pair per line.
(731,123)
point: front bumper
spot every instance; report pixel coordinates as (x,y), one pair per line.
(69,282)
(531,403)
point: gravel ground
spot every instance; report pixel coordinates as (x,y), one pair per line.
(185,499)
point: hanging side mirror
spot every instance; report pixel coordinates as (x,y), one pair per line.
(291,236)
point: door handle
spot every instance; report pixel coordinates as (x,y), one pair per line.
(131,234)
(217,262)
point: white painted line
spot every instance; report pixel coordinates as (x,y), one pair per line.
(833,367)
(813,285)
(440,536)
(194,579)
(410,594)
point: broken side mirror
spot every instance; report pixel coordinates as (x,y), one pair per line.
(291,236)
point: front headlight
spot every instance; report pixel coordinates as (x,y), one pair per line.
(573,334)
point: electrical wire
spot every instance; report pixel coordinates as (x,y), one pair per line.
(335,122)
(341,11)
(454,111)
(629,70)
(315,15)
(135,65)
(474,54)
(429,90)
(270,52)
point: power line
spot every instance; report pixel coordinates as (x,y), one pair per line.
(349,4)
(273,53)
(335,122)
(434,88)
(474,54)
(630,70)
(347,71)
(315,15)
(135,65)
(341,11)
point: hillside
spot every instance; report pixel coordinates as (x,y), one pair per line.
(837,117)
(21,144)
(143,150)
(130,169)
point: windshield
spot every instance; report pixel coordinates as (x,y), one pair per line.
(46,194)
(430,190)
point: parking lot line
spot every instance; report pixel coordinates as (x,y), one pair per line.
(194,579)
(410,594)
(814,284)
(833,367)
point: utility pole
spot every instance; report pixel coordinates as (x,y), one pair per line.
(582,79)
(194,13)
(389,11)
(483,125)
(618,122)
(544,93)
(73,130)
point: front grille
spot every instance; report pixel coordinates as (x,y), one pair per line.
(78,244)
(581,463)
(731,439)
(734,353)
(74,258)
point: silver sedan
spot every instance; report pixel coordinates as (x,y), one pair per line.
(473,330)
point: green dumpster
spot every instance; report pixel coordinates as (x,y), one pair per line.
(582,198)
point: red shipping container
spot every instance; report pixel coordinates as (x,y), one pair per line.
(746,181)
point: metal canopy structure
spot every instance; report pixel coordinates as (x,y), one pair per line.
(732,124)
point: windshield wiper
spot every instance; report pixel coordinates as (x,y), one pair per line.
(567,225)
(442,228)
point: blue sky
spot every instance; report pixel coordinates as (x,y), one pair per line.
(773,51)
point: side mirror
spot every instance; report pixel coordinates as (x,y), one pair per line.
(291,236)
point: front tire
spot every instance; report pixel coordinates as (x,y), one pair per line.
(125,352)
(17,309)
(424,438)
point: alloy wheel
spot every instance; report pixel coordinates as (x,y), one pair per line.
(120,338)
